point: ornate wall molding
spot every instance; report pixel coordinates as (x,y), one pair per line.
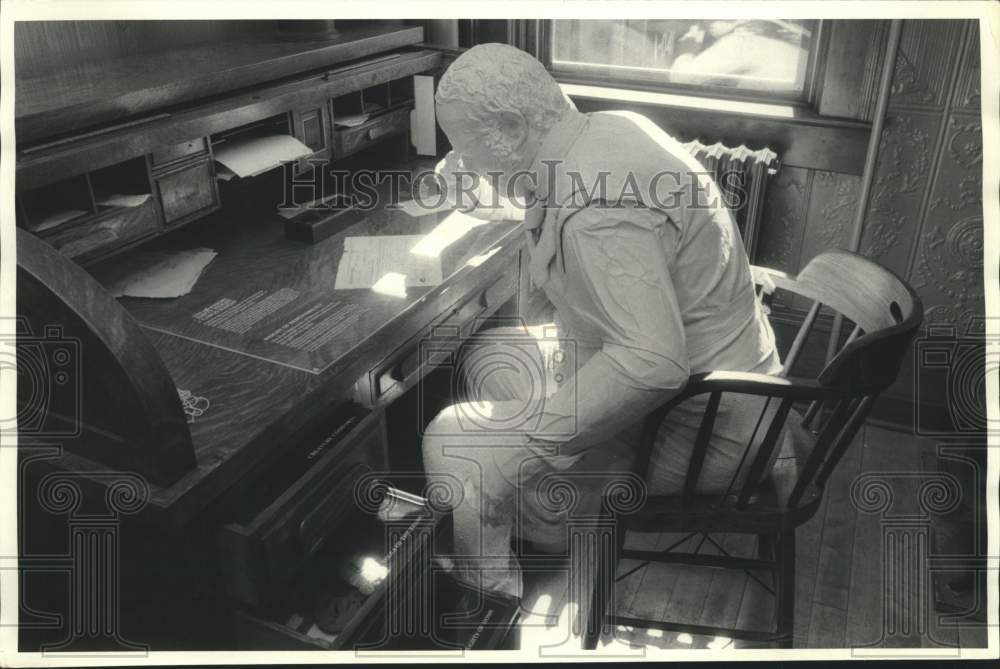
(924,62)
(967,84)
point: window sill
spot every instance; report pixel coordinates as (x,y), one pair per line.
(782,111)
(801,137)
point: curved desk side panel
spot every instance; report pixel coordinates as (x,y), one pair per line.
(89,378)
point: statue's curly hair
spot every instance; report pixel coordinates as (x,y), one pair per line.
(491,78)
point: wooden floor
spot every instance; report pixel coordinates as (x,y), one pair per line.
(841,601)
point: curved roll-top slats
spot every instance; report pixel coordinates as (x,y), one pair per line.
(108,396)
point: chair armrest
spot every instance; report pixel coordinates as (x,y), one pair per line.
(750,383)
(771,278)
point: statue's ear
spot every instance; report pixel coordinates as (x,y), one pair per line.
(514,127)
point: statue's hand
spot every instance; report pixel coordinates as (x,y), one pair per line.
(445,182)
(468,192)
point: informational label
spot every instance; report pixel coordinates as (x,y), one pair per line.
(232,316)
(317,326)
(284,326)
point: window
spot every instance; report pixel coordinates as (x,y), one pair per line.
(735,58)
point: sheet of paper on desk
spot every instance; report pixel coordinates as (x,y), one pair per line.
(161,274)
(367,260)
(123,200)
(250,157)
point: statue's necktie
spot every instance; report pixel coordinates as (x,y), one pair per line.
(541,239)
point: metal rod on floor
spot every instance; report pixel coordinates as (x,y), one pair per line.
(871,157)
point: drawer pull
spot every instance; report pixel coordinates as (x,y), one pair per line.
(400,373)
(379,131)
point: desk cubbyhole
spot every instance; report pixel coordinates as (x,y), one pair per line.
(350,104)
(56,205)
(401,92)
(245,154)
(273,125)
(124,184)
(375,99)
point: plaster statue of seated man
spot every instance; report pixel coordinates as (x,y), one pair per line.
(632,244)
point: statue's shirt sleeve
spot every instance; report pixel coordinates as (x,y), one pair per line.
(618,286)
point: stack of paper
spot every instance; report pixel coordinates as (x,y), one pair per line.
(55,219)
(423,128)
(350,121)
(123,200)
(256,155)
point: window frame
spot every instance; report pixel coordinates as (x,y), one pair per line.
(807,98)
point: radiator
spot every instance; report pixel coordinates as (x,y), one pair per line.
(742,176)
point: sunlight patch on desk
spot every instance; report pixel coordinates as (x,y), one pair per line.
(391,283)
(455,226)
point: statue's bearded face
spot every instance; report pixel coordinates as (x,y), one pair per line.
(484,148)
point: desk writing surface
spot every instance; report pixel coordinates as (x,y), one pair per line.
(260,384)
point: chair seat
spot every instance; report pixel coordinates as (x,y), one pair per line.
(766,512)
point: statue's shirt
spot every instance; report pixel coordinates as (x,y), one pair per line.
(635,248)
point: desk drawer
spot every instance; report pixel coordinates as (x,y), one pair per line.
(352,140)
(412,607)
(404,367)
(175,152)
(273,528)
(187,191)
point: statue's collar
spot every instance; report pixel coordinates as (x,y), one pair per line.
(555,147)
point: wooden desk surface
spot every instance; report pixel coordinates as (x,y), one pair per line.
(93,93)
(261,392)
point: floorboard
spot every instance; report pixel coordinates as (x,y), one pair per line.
(833,568)
(725,592)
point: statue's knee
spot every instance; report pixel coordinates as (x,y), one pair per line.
(444,424)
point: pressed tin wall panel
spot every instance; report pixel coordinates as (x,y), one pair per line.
(924,219)
(902,176)
(948,263)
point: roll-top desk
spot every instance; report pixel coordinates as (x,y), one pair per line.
(235,443)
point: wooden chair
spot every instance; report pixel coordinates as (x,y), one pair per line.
(771,502)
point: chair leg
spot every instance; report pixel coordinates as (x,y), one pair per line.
(786,589)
